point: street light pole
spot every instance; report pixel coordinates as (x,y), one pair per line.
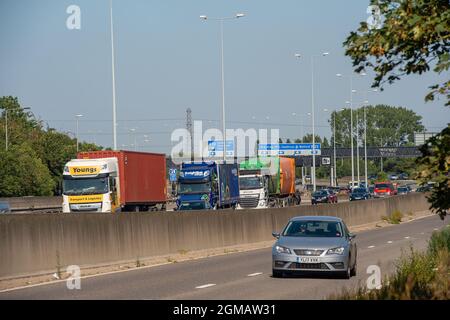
(113,79)
(313,173)
(6,129)
(78,116)
(221,20)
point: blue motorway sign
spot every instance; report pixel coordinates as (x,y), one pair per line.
(172,175)
(215,148)
(289,149)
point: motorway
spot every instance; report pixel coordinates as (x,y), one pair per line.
(244,275)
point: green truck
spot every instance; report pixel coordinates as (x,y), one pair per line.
(267,182)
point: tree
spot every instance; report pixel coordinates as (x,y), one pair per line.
(434,165)
(386,125)
(414,37)
(48,147)
(23,173)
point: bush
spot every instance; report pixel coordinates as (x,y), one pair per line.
(418,275)
(395,217)
(439,241)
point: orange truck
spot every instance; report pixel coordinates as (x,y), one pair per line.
(267,182)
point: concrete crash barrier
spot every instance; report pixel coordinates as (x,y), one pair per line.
(33,203)
(38,243)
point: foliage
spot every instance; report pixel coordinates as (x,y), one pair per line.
(418,276)
(382,176)
(434,165)
(395,217)
(23,173)
(386,126)
(48,151)
(414,36)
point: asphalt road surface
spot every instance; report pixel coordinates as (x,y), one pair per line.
(245,275)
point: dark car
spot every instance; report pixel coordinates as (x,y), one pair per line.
(372,177)
(323,196)
(4,207)
(403,190)
(359,194)
(425,188)
(403,176)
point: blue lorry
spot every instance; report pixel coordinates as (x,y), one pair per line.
(208,185)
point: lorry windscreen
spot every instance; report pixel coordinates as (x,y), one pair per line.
(85,186)
(194,188)
(248,183)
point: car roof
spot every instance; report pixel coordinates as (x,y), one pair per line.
(316,218)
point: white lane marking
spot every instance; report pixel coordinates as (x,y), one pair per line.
(205,286)
(407,237)
(436,229)
(254,274)
(389,241)
(370,247)
(422,233)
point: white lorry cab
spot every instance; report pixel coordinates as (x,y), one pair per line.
(90,185)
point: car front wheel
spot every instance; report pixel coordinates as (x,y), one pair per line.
(277,273)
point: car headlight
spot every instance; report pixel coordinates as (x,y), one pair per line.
(339,250)
(281,249)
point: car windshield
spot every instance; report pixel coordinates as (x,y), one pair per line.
(85,186)
(320,229)
(322,193)
(193,205)
(359,190)
(194,188)
(246,183)
(403,189)
(382,186)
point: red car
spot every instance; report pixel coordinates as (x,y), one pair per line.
(384,189)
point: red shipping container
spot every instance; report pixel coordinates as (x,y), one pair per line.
(142,175)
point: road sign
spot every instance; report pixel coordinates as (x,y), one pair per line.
(289,149)
(215,148)
(172,175)
(326,161)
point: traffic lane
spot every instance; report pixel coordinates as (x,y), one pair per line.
(178,279)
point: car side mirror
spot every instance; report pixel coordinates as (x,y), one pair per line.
(351,236)
(276,235)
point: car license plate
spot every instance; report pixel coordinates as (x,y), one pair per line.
(309,260)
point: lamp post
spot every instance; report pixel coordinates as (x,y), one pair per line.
(78,116)
(221,20)
(313,175)
(351,121)
(366,102)
(113,78)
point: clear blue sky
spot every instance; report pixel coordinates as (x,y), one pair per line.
(167,59)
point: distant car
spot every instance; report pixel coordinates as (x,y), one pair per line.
(384,189)
(403,190)
(323,196)
(359,194)
(5,207)
(425,188)
(403,176)
(314,244)
(372,177)
(393,177)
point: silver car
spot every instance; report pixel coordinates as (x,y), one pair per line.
(314,244)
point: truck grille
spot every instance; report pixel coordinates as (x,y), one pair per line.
(249,202)
(308,252)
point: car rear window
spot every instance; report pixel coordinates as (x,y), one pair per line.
(382,186)
(325,229)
